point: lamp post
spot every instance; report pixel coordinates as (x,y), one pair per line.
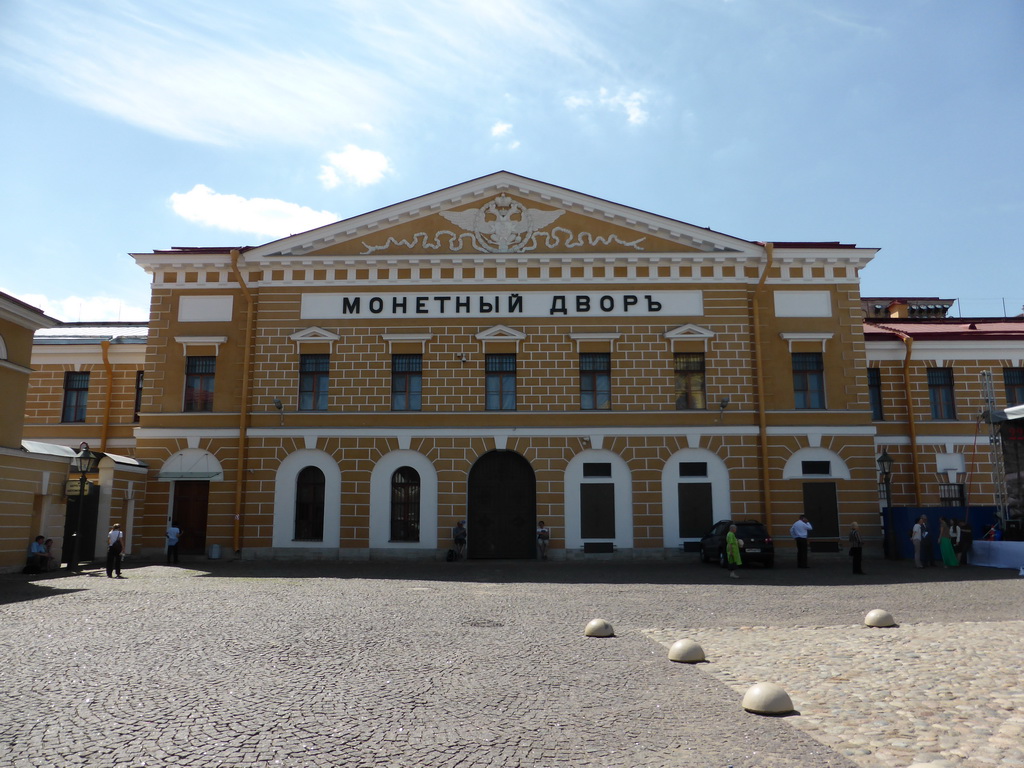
(885,468)
(85,461)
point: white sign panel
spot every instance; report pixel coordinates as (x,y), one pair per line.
(803,304)
(199,309)
(339,306)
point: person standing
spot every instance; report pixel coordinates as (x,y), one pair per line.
(949,559)
(966,541)
(115,550)
(173,536)
(917,536)
(459,536)
(543,537)
(856,547)
(927,550)
(732,552)
(800,530)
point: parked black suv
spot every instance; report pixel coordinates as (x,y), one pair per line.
(757,545)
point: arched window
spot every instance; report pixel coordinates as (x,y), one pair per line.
(405,505)
(309,505)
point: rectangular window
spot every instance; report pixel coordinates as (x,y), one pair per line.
(597,469)
(138,394)
(500,384)
(76,395)
(951,494)
(875,393)
(808,380)
(940,392)
(690,381)
(1014,380)
(816,467)
(693,469)
(199,376)
(314,375)
(406,382)
(595,381)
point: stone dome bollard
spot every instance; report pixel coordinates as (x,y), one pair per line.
(686,651)
(879,618)
(767,699)
(599,628)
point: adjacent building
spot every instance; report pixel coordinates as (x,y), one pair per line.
(32,484)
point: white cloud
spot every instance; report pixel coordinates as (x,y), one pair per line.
(500,129)
(362,167)
(256,215)
(226,73)
(93,309)
(631,103)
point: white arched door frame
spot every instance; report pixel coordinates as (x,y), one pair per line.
(717,476)
(623,481)
(284,500)
(380,501)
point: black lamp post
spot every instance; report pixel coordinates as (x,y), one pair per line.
(85,461)
(885,468)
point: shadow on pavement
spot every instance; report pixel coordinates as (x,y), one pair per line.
(826,570)
(18,587)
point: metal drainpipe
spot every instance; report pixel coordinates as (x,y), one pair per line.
(243,425)
(105,427)
(908,342)
(762,417)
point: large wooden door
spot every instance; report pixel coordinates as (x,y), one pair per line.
(80,520)
(191,499)
(822,509)
(696,509)
(501,512)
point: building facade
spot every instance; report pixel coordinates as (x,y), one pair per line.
(503,352)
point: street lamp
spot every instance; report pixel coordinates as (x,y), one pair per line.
(885,468)
(85,461)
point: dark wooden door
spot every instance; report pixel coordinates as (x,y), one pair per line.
(191,500)
(80,520)
(501,512)
(822,509)
(696,510)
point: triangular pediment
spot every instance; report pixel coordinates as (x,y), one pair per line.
(502,214)
(314,333)
(501,333)
(690,331)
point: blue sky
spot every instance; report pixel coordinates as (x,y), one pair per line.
(133,125)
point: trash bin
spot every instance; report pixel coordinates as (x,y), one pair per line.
(214,552)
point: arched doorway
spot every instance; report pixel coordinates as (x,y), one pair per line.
(501,511)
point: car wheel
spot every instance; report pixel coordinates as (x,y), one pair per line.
(721,558)
(704,555)
(769,562)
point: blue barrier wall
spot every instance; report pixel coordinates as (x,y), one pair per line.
(903,519)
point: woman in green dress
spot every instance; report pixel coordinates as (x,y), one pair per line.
(732,552)
(949,558)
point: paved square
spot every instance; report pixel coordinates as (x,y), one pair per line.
(484,663)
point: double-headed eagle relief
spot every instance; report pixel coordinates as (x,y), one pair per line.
(503,225)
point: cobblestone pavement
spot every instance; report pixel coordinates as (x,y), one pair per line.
(485,664)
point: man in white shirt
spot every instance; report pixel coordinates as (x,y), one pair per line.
(173,535)
(799,533)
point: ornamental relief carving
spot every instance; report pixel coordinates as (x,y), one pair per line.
(502,225)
